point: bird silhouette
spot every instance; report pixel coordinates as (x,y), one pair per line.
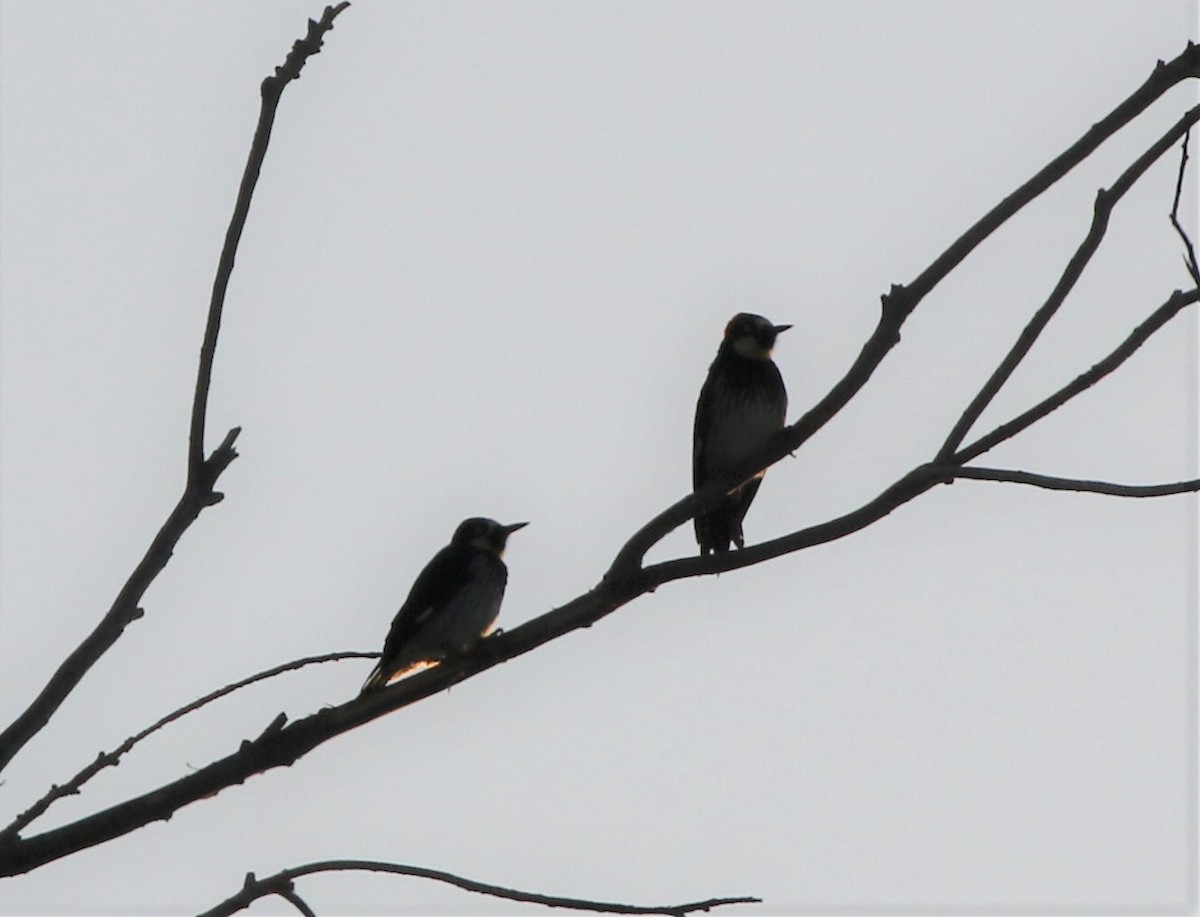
(452,604)
(743,402)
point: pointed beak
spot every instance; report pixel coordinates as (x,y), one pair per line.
(779,329)
(509,529)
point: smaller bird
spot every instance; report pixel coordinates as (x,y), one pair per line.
(742,404)
(452,604)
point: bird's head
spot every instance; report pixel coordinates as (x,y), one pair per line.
(484,534)
(751,336)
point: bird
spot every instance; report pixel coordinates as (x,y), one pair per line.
(742,403)
(452,604)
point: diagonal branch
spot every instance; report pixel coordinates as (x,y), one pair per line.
(1159,317)
(899,303)
(1165,76)
(202,473)
(282,743)
(897,306)
(1106,201)
(282,883)
(271,90)
(113,758)
(121,614)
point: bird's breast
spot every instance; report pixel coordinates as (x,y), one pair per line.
(473,609)
(741,423)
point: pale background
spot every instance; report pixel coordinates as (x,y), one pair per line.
(486,269)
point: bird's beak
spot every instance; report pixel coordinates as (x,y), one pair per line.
(509,529)
(779,329)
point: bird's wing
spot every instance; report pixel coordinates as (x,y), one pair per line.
(700,432)
(783,398)
(442,577)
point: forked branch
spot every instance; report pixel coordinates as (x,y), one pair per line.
(202,473)
(113,758)
(900,302)
(1106,201)
(1157,319)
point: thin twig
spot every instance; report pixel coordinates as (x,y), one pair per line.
(113,758)
(1106,201)
(202,473)
(253,889)
(1189,258)
(271,90)
(1159,317)
(1053,482)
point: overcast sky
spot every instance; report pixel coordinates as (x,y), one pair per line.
(488,264)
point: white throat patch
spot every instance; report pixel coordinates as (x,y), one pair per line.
(749,349)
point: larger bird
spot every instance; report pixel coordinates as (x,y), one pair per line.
(452,604)
(742,404)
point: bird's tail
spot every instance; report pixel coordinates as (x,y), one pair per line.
(716,530)
(375,680)
(381,676)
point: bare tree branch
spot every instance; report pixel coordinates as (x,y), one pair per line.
(282,743)
(1051,482)
(271,90)
(924,477)
(297,902)
(283,881)
(1106,201)
(1165,76)
(113,758)
(1189,258)
(123,612)
(1159,317)
(202,473)
(899,303)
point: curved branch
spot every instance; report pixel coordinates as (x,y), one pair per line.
(282,882)
(202,473)
(113,758)
(297,902)
(1159,317)
(1052,482)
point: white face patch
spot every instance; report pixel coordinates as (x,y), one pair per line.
(748,348)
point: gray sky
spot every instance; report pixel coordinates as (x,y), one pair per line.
(486,269)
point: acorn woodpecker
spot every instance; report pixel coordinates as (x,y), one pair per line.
(453,603)
(742,404)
